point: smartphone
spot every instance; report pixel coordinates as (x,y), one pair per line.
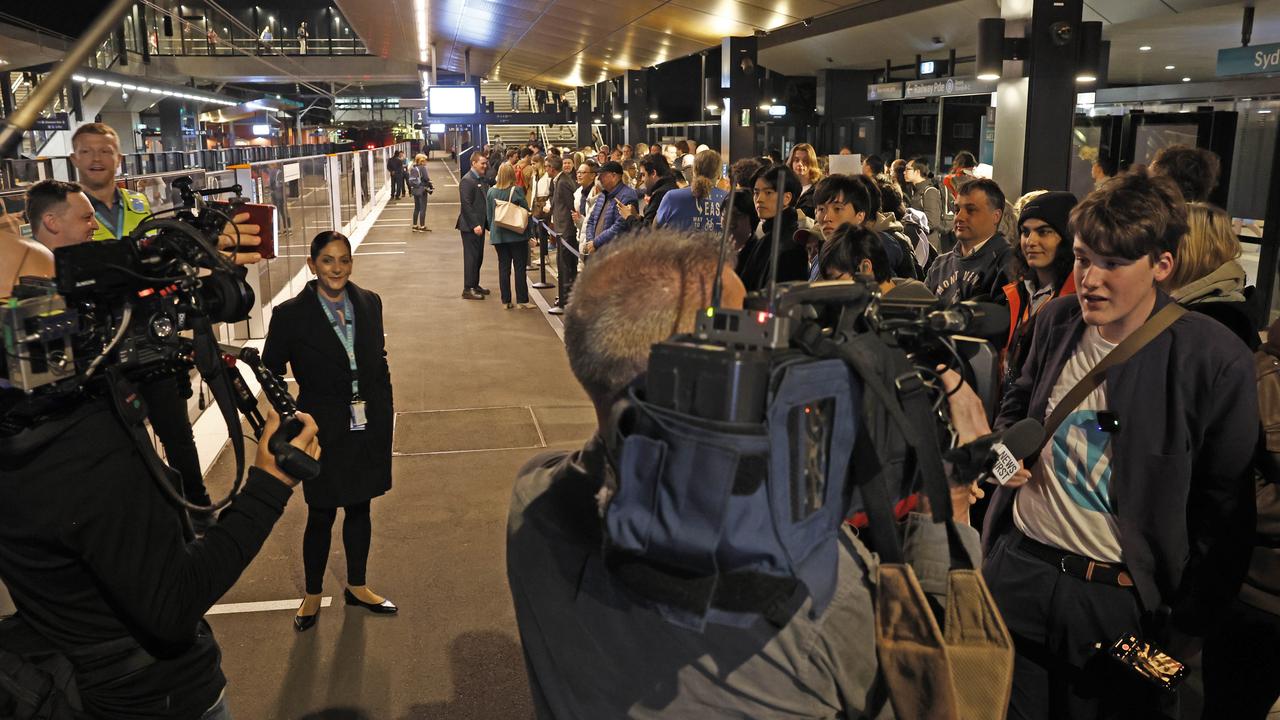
(264,216)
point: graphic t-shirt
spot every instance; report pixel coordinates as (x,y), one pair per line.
(1067,503)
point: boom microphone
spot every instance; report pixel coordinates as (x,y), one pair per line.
(999,452)
(989,321)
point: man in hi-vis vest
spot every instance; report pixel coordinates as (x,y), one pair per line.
(96,157)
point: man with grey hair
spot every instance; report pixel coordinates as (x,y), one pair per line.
(591,651)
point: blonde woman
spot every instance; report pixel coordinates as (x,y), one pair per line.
(420,187)
(512,245)
(1207,276)
(803,161)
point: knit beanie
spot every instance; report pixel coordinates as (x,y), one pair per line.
(1053,207)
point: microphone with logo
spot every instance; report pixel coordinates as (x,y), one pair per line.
(997,455)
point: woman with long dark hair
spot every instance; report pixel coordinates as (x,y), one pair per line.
(1042,264)
(330,335)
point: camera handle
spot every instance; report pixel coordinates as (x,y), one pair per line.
(293,461)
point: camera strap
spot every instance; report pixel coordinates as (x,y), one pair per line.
(1127,348)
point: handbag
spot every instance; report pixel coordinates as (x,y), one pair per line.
(510,216)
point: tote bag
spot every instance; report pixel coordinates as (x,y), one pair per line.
(510,216)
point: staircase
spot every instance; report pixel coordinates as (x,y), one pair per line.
(563,135)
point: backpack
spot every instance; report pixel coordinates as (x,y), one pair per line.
(920,240)
(36,681)
(1261,580)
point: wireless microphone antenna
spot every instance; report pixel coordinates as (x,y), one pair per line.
(779,184)
(718,284)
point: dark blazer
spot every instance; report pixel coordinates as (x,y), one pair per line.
(355,466)
(1181,480)
(471,192)
(562,203)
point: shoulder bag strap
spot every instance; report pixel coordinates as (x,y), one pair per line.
(1127,348)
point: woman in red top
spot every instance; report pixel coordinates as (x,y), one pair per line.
(961,173)
(1042,262)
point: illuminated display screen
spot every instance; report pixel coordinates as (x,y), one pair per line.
(452,100)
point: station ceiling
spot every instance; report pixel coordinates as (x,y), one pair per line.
(566,43)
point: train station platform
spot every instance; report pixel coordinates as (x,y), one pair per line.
(479,390)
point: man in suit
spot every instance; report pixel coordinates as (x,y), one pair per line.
(471,223)
(562,222)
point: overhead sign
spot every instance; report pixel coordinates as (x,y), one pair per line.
(56,121)
(885,91)
(1255,60)
(366,103)
(943,87)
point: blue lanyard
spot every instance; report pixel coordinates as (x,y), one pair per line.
(346,335)
(115,231)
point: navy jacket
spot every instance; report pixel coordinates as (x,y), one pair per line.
(1182,484)
(471,192)
(614,224)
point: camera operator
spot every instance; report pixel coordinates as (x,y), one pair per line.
(593,652)
(96,156)
(93,555)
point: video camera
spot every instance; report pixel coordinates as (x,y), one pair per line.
(123,303)
(748,442)
(114,319)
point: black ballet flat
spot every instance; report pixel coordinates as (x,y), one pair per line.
(386,607)
(303,623)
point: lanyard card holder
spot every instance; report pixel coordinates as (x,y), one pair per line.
(359,420)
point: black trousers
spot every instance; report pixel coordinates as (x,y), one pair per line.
(472,259)
(397,185)
(1242,664)
(1055,620)
(357,534)
(566,266)
(513,257)
(167,411)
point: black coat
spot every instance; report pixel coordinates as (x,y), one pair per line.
(793,259)
(1182,487)
(355,466)
(664,185)
(472,193)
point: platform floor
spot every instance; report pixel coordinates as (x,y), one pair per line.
(479,390)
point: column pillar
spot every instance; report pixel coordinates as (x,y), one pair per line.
(583,116)
(740,84)
(1034,113)
(636,116)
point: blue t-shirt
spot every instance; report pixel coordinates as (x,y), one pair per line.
(681,211)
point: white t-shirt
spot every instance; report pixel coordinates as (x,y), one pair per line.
(1067,503)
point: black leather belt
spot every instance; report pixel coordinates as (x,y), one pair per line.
(1077,566)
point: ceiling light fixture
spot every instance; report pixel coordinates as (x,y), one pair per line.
(1144,48)
(1169,67)
(1264,112)
(1186,79)
(78,78)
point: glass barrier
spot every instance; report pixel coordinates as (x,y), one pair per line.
(299,188)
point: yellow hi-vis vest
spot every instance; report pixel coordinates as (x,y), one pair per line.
(131,209)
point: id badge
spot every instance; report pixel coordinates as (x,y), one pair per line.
(358,418)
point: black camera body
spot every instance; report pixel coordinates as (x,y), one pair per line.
(123,304)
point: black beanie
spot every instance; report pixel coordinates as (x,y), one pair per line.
(1053,207)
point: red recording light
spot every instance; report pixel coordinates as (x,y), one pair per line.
(761,317)
(147,292)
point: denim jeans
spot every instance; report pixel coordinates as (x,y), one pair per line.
(420,209)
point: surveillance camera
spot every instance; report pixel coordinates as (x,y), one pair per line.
(937,40)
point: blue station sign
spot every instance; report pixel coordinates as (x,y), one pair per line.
(1255,60)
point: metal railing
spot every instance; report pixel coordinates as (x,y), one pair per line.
(17,172)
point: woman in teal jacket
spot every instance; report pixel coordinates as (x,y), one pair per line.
(512,246)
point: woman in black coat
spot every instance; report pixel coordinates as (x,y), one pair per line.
(312,333)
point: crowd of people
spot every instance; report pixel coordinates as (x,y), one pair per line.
(1136,516)
(1150,508)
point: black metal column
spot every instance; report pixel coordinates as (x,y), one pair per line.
(740,84)
(1269,257)
(1052,42)
(583,116)
(636,97)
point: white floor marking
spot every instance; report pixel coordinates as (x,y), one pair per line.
(264,606)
